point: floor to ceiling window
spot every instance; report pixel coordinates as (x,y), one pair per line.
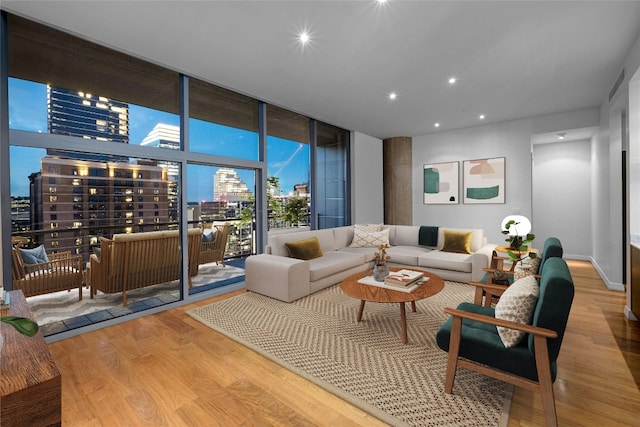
(331,166)
(288,184)
(100,150)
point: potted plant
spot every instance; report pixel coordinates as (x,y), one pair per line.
(381,269)
(518,244)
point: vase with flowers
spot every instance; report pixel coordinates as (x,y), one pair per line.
(381,269)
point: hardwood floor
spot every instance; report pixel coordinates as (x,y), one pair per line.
(169,370)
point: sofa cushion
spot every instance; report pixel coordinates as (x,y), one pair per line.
(208,235)
(332,263)
(368,228)
(34,256)
(457,241)
(408,255)
(405,235)
(325,237)
(362,239)
(477,239)
(446,261)
(304,249)
(369,253)
(517,304)
(343,236)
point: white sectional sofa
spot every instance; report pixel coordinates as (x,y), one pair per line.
(279,276)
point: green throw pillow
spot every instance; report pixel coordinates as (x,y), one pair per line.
(304,249)
(458,242)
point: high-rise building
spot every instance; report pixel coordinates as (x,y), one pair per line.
(82,114)
(227,186)
(166,136)
(79,201)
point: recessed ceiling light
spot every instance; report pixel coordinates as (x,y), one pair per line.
(393,95)
(481,116)
(452,80)
(436,125)
(304,37)
(561,135)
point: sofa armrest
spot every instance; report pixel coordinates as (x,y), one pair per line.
(282,278)
(481,260)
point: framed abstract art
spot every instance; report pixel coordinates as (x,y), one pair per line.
(441,181)
(484,180)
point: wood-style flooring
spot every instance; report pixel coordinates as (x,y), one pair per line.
(169,370)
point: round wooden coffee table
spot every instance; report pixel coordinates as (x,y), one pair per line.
(364,293)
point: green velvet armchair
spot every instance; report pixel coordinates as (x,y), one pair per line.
(471,337)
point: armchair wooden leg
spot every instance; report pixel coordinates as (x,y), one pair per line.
(477,299)
(454,348)
(488,299)
(544,379)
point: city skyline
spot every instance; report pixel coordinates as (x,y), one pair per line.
(288,160)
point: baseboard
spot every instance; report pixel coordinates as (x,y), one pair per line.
(609,284)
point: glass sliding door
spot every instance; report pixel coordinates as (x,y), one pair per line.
(81,214)
(221,203)
(107,147)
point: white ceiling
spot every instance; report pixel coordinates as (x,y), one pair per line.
(512,59)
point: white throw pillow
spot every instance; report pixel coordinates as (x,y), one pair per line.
(368,228)
(363,239)
(517,304)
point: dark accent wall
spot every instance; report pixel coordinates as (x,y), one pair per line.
(397,164)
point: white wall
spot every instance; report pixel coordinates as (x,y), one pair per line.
(632,92)
(607,192)
(562,195)
(367,193)
(511,140)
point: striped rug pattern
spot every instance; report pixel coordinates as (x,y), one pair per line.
(366,363)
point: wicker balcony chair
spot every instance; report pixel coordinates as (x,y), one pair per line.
(214,250)
(61,272)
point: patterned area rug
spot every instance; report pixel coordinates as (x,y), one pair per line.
(366,363)
(57,306)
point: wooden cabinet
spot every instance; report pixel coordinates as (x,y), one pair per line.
(635,280)
(30,383)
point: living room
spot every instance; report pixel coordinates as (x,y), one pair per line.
(588,200)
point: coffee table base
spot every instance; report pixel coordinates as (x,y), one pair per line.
(403,317)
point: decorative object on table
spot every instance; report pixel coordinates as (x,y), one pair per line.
(403,278)
(381,269)
(483,180)
(21,324)
(500,278)
(517,229)
(441,183)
